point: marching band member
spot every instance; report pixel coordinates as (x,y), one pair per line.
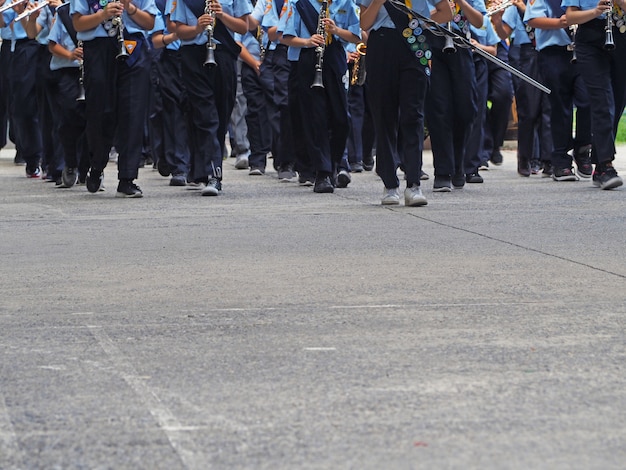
(23,89)
(117,75)
(211,88)
(397,83)
(451,104)
(314,29)
(564,79)
(601,59)
(68,108)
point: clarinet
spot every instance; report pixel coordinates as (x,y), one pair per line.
(81,77)
(122,53)
(210,44)
(318,82)
(609,45)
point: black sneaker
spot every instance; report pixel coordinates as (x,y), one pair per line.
(126,188)
(33,172)
(163,167)
(323,185)
(564,174)
(548,170)
(212,188)
(535,167)
(496,158)
(582,157)
(607,178)
(356,167)
(458,181)
(473,178)
(442,184)
(423,175)
(94,181)
(343,179)
(306,180)
(368,164)
(178,180)
(69,177)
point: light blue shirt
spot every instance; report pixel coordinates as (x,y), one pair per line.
(45,21)
(87,7)
(6,34)
(160,26)
(182,14)
(265,13)
(546,37)
(485,35)
(343,12)
(511,17)
(384,21)
(59,35)
(582,4)
(251,43)
(18,31)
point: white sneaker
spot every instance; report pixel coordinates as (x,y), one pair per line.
(413,196)
(241,163)
(390,197)
(193,186)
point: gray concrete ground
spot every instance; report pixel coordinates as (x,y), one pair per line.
(275,328)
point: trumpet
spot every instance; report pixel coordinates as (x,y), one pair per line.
(609,45)
(81,77)
(122,53)
(503,5)
(10,5)
(358,67)
(318,81)
(27,13)
(210,44)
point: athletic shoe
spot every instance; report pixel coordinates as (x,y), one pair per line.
(196,185)
(368,164)
(413,196)
(213,187)
(564,174)
(607,179)
(178,180)
(94,181)
(306,180)
(113,155)
(548,170)
(356,167)
(484,166)
(496,158)
(256,171)
(423,175)
(286,174)
(323,185)
(473,178)
(343,179)
(241,163)
(69,176)
(33,172)
(163,167)
(442,184)
(458,181)
(128,189)
(391,197)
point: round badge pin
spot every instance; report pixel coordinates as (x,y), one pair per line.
(407,32)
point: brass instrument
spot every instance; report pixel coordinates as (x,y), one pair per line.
(609,45)
(210,44)
(27,13)
(10,5)
(81,77)
(122,53)
(318,82)
(496,6)
(449,47)
(358,67)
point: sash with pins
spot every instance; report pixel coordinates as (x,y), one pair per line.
(412,32)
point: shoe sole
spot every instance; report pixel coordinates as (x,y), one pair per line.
(256,173)
(210,191)
(442,189)
(416,203)
(613,183)
(390,202)
(128,196)
(565,178)
(306,183)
